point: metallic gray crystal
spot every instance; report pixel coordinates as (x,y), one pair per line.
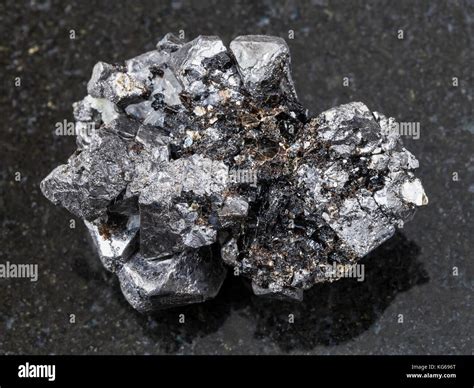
(194,157)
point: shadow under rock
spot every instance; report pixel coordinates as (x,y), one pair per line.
(334,313)
(201,319)
(329,314)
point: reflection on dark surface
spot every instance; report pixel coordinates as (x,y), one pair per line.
(330,313)
(334,313)
(200,319)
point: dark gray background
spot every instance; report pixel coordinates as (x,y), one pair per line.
(409,79)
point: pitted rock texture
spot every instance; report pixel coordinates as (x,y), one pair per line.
(193,157)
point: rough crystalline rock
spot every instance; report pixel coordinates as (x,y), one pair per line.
(193,157)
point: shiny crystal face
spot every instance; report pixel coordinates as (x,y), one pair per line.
(197,157)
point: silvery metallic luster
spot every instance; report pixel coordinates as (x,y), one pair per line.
(194,157)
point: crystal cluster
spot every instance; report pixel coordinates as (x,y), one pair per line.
(193,158)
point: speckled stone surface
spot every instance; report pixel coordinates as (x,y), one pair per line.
(412,274)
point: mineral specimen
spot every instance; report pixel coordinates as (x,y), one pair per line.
(198,157)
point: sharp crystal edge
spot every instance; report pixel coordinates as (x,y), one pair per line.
(194,157)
